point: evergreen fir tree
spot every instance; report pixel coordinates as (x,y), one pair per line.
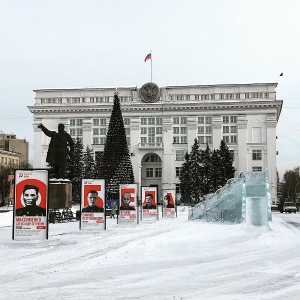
(115,166)
(206,169)
(196,172)
(98,158)
(89,163)
(226,162)
(216,174)
(186,180)
(75,170)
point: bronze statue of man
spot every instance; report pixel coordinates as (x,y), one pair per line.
(61,145)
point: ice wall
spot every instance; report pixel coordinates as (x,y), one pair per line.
(243,199)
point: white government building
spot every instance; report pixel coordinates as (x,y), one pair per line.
(161,124)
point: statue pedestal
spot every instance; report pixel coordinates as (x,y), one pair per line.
(60,194)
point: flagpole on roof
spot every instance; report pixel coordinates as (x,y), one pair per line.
(151,64)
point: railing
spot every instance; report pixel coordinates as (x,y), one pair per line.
(151,145)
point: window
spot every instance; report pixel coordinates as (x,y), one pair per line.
(79,131)
(182,130)
(201,139)
(159,140)
(158,130)
(95,122)
(153,158)
(183,120)
(151,121)
(79,122)
(183,139)
(103,122)
(149,172)
(143,140)
(256,154)
(178,190)
(126,121)
(233,139)
(231,153)
(226,120)
(201,129)
(180,155)
(247,95)
(95,131)
(176,120)
(187,97)
(207,129)
(95,141)
(238,96)
(103,131)
(102,140)
(232,119)
(226,139)
(200,120)
(233,129)
(175,139)
(158,121)
(72,122)
(127,131)
(178,171)
(144,121)
(196,97)
(175,130)
(256,169)
(158,172)
(266,95)
(225,129)
(143,130)
(208,139)
(151,130)
(72,131)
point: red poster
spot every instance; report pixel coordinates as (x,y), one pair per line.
(30,204)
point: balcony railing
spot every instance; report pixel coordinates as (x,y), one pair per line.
(151,145)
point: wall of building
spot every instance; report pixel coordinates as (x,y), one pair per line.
(244,115)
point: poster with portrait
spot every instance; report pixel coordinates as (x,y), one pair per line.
(169,206)
(30,221)
(93,204)
(128,204)
(149,204)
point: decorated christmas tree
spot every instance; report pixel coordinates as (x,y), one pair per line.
(115,165)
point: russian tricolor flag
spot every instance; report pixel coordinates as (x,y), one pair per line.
(148,57)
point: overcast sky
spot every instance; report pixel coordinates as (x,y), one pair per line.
(96,43)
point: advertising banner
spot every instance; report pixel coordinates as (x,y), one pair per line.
(30,205)
(93,204)
(128,204)
(169,207)
(149,204)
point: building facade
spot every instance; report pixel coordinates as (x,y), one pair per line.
(161,124)
(9,142)
(8,158)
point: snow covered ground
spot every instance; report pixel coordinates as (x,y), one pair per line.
(169,259)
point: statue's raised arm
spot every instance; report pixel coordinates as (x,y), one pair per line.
(61,145)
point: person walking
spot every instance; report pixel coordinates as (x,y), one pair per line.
(113,209)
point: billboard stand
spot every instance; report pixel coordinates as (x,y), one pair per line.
(31,202)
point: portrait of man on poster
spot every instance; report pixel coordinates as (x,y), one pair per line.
(149,202)
(167,201)
(126,202)
(92,198)
(30,197)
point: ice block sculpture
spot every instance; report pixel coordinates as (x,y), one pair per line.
(243,199)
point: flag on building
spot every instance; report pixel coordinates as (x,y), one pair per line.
(148,57)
